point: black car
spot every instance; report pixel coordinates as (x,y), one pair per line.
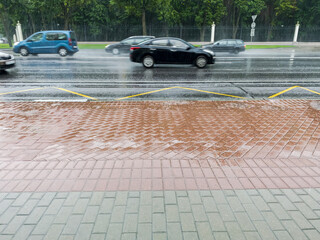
(6,61)
(227,45)
(170,50)
(125,45)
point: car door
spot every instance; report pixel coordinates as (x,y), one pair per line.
(231,45)
(35,43)
(179,52)
(220,46)
(125,45)
(160,50)
(50,41)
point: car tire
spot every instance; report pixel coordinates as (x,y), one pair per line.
(148,61)
(115,51)
(63,52)
(24,51)
(236,51)
(201,61)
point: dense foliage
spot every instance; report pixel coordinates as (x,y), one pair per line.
(96,17)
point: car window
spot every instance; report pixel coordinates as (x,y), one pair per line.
(223,42)
(178,44)
(239,42)
(231,42)
(162,42)
(140,40)
(128,41)
(36,37)
(73,36)
(56,36)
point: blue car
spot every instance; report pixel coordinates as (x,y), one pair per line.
(62,42)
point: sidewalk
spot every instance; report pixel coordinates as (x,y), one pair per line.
(160,170)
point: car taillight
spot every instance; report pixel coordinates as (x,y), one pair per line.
(70,42)
(244,46)
(134,48)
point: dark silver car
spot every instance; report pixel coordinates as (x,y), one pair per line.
(6,61)
(227,45)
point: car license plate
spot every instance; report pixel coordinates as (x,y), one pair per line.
(10,62)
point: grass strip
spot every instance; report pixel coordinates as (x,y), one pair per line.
(91,46)
(4,45)
(268,46)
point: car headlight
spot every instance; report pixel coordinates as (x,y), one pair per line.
(107,46)
(209,51)
(16,43)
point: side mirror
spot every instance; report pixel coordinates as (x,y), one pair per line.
(217,44)
(188,48)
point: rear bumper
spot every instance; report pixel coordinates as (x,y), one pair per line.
(3,66)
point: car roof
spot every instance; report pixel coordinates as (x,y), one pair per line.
(142,37)
(61,31)
(230,40)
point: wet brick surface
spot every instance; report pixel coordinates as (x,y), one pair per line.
(159,145)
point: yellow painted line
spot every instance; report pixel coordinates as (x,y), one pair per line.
(279,93)
(310,90)
(82,95)
(27,90)
(222,94)
(140,94)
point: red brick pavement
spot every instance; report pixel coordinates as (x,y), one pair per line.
(100,146)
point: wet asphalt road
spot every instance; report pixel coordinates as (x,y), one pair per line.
(95,75)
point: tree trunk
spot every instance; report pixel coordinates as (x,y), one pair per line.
(144,25)
(6,24)
(181,27)
(235,27)
(202,31)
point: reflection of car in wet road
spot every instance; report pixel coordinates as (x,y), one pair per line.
(62,42)
(170,50)
(125,45)
(6,61)
(227,45)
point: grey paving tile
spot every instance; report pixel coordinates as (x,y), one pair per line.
(199,213)
(72,199)
(306,211)
(187,222)
(134,194)
(114,231)
(158,205)
(46,199)
(145,214)
(260,203)
(312,234)
(80,206)
(234,230)
(221,235)
(272,221)
(204,231)
(72,225)
(5,204)
(91,214)
(27,208)
(286,203)
(184,204)
(159,222)
(264,230)
(110,194)
(235,204)
(316,223)
(55,206)
(146,198)
(156,194)
(229,192)
(66,237)
(226,212)
(276,192)
(107,205)
(205,193)
(310,202)
(6,237)
(279,211)
(54,232)
(98,236)
(85,194)
(243,196)
(101,224)
(314,193)
(159,236)
(121,198)
(216,222)
(190,236)
(63,215)
(253,212)
(8,215)
(23,232)
(35,215)
(252,235)
(37,195)
(62,195)
(300,220)
(14,225)
(300,191)
(219,197)
(244,221)
(174,231)
(172,213)
(292,195)
(96,198)
(293,229)
(182,193)
(194,197)
(21,199)
(84,231)
(267,196)
(12,195)
(129,236)
(253,192)
(209,204)
(43,225)
(133,205)
(118,214)
(170,197)
(144,231)
(130,224)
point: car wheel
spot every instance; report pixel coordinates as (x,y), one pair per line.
(201,61)
(115,51)
(236,51)
(148,61)
(63,52)
(24,51)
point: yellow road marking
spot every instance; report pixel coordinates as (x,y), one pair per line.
(222,94)
(82,95)
(279,93)
(140,94)
(33,89)
(310,90)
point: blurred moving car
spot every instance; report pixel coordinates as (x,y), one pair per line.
(3,40)
(62,42)
(125,45)
(227,45)
(170,50)
(6,61)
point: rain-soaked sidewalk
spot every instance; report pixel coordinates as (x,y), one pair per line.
(160,170)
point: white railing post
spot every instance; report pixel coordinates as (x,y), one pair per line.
(19,32)
(15,38)
(296,31)
(213,28)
